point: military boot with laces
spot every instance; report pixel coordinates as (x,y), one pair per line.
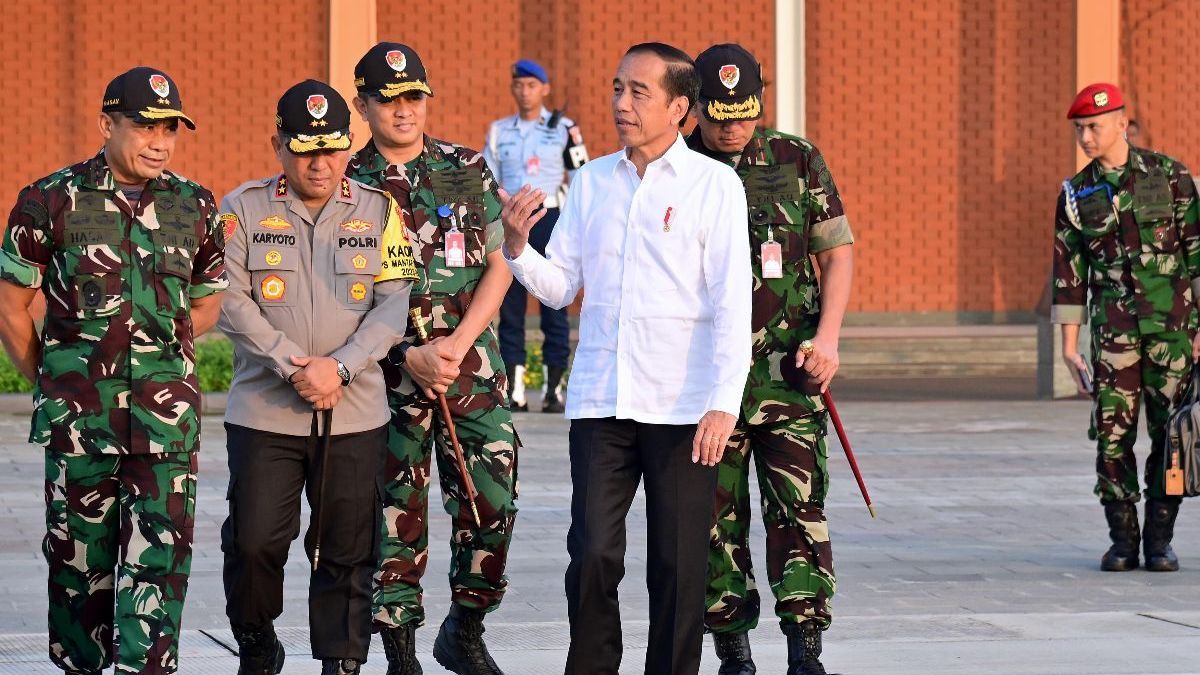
(804,648)
(400,647)
(459,646)
(259,650)
(734,651)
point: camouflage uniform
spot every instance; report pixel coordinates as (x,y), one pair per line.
(116,403)
(445,174)
(793,201)
(1131,240)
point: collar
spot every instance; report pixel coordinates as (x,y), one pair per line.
(1136,162)
(675,158)
(543,117)
(280,193)
(98,176)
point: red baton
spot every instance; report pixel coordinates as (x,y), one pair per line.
(827,397)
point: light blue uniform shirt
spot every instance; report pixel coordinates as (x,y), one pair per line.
(520,153)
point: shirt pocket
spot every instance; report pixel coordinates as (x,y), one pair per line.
(1098,224)
(355,272)
(175,249)
(469,218)
(95,288)
(273,271)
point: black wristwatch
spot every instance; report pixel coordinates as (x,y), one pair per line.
(402,353)
(344,373)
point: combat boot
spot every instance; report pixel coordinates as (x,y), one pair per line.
(259,650)
(1160,528)
(400,647)
(804,648)
(516,388)
(1123,530)
(459,646)
(734,651)
(552,401)
(339,667)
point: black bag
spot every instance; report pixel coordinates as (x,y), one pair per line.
(1181,466)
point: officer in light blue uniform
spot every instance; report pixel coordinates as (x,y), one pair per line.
(542,149)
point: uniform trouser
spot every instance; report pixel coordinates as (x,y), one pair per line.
(1130,369)
(556,349)
(790,458)
(609,457)
(477,554)
(118,525)
(267,471)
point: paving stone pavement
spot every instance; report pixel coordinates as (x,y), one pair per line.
(984,558)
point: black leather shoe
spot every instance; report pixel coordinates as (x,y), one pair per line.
(459,646)
(339,667)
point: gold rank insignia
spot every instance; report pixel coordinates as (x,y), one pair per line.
(358,291)
(356,226)
(359,261)
(273,258)
(281,189)
(275,223)
(273,288)
(345,187)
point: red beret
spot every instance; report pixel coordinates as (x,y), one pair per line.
(1096,99)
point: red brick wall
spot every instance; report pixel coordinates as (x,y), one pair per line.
(942,124)
(1158,75)
(230,69)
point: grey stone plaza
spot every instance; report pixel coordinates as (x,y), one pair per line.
(984,557)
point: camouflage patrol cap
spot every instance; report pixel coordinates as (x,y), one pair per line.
(390,69)
(146,95)
(730,83)
(313,116)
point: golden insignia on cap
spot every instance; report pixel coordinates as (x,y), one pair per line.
(749,109)
(1100,99)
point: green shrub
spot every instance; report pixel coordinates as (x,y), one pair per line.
(11,379)
(214,363)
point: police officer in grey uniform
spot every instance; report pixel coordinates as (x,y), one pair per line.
(542,149)
(320,269)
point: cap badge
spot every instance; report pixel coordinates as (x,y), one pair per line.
(730,75)
(160,85)
(1100,99)
(396,60)
(317,106)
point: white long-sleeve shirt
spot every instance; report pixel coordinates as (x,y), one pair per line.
(664,335)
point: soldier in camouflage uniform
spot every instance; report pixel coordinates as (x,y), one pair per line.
(129,257)
(447,196)
(1127,232)
(795,214)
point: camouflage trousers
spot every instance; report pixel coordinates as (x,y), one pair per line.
(1131,369)
(790,458)
(119,547)
(477,554)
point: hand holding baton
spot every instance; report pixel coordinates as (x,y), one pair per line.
(419,325)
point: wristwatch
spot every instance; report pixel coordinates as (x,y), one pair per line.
(344,373)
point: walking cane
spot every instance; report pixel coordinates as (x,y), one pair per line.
(468,483)
(827,397)
(327,420)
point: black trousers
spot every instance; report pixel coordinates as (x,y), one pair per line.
(267,471)
(609,457)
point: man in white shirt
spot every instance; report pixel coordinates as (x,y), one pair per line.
(657,234)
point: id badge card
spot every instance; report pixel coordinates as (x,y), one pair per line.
(533,166)
(772,257)
(456,249)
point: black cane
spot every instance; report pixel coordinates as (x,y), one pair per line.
(327,420)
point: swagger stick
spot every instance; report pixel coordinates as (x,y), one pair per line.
(327,420)
(468,483)
(827,397)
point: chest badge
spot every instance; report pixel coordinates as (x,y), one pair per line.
(358,291)
(356,226)
(229,223)
(273,288)
(275,223)
(667,219)
(359,261)
(273,258)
